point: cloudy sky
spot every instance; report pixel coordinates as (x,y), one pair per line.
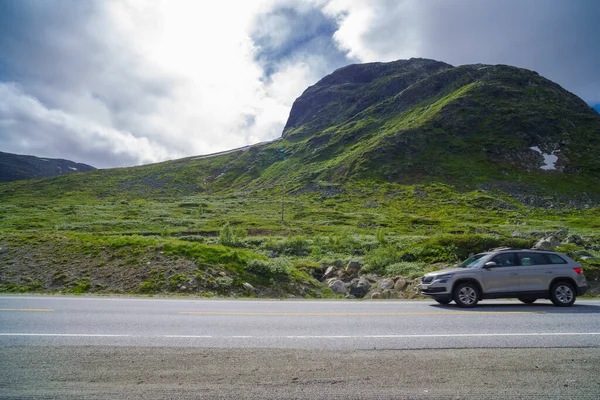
(126,82)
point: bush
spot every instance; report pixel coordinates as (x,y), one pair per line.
(380,258)
(273,268)
(231,237)
(294,245)
(411,269)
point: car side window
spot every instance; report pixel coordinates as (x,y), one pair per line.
(505,260)
(532,259)
(554,259)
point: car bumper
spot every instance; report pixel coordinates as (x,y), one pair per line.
(434,290)
(581,290)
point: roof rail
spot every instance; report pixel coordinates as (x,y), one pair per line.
(502,249)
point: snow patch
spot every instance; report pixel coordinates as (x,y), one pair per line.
(549,159)
(74,169)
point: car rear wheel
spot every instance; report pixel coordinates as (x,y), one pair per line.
(562,294)
(527,300)
(466,295)
(443,301)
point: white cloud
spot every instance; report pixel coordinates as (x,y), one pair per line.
(128,82)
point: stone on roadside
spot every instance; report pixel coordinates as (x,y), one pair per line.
(329,273)
(386,284)
(575,239)
(376,296)
(400,284)
(248,286)
(337,286)
(353,267)
(359,287)
(543,244)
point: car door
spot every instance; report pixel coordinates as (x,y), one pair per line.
(536,271)
(503,277)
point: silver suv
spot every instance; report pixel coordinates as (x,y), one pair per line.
(525,274)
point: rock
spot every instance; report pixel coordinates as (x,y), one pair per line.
(353,267)
(350,296)
(248,286)
(400,284)
(544,244)
(561,234)
(388,294)
(337,287)
(519,235)
(329,273)
(582,253)
(359,287)
(376,295)
(338,264)
(575,239)
(386,284)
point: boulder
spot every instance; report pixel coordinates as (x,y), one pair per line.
(337,287)
(546,244)
(329,273)
(400,284)
(519,235)
(561,234)
(248,286)
(582,253)
(359,287)
(338,264)
(575,239)
(386,284)
(353,267)
(376,296)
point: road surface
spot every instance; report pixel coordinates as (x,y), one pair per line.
(101,347)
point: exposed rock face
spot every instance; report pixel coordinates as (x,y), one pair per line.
(15,167)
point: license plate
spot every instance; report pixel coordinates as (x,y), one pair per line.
(423,287)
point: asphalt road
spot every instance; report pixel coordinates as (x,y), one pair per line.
(138,348)
(294,324)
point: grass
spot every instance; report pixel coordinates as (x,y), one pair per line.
(402,180)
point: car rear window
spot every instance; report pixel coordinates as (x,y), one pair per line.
(532,259)
(554,259)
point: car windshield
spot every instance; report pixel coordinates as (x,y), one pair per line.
(472,262)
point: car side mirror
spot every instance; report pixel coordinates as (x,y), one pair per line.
(490,264)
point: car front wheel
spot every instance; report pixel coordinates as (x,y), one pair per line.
(562,294)
(466,295)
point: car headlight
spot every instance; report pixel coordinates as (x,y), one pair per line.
(443,278)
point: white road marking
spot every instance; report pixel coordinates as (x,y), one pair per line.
(441,335)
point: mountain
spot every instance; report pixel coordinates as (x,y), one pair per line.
(15,167)
(401,167)
(404,122)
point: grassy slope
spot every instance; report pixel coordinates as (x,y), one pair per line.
(352,191)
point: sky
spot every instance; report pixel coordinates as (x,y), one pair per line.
(117,83)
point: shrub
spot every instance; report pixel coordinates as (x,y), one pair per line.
(272,268)
(232,237)
(294,245)
(411,269)
(381,257)
(224,282)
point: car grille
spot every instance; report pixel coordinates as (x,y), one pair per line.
(427,279)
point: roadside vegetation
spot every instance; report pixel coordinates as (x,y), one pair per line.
(237,244)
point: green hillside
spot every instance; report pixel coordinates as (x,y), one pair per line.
(402,166)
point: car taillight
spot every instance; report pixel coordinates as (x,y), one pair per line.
(578,270)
